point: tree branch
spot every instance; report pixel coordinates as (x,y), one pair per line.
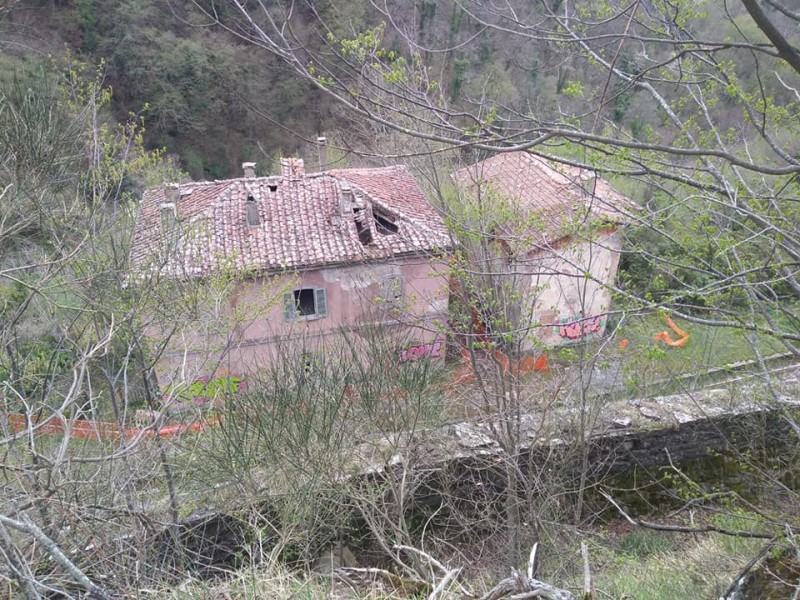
(785,49)
(27,526)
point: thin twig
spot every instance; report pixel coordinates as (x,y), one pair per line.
(684,529)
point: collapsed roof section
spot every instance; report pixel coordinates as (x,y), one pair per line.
(287,222)
(556,198)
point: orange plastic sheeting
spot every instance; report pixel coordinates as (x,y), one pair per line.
(99,430)
(527,365)
(665,337)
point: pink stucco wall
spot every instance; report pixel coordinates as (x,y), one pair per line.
(251,331)
(568,298)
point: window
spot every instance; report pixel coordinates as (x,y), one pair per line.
(305,303)
(253,218)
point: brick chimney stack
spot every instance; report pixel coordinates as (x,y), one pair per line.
(292,168)
(249,169)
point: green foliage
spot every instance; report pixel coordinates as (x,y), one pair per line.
(643,542)
(301,415)
(208,389)
(572,89)
(70,175)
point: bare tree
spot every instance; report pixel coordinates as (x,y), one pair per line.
(72,330)
(731,171)
(692,113)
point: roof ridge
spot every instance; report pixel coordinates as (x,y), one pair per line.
(293,225)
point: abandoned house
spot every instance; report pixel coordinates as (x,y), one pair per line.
(555,237)
(316,257)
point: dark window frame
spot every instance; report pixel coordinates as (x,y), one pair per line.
(305,304)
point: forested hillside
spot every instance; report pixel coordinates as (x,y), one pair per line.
(214,101)
(210,101)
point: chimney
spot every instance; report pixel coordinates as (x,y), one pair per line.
(292,168)
(249,169)
(322,144)
(171,192)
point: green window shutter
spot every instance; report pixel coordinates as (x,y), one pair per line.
(289,308)
(320,302)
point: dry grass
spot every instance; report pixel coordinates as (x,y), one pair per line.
(635,565)
(274,582)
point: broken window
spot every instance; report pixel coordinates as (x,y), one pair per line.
(305,303)
(384,224)
(253,218)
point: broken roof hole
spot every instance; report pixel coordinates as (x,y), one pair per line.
(383,224)
(364,234)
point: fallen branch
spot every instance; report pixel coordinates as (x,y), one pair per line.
(521,587)
(687,529)
(29,527)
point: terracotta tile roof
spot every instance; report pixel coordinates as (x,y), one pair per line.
(556,195)
(304,220)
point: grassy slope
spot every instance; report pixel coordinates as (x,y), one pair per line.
(637,565)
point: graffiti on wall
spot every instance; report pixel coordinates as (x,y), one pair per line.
(418,351)
(205,390)
(579,327)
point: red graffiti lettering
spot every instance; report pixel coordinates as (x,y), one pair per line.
(579,328)
(414,353)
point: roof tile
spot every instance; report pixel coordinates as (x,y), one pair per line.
(301,222)
(557,194)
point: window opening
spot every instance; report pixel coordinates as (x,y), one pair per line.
(273,187)
(304,300)
(383,224)
(253,218)
(305,303)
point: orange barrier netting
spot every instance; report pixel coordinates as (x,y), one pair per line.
(100,430)
(526,365)
(665,337)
